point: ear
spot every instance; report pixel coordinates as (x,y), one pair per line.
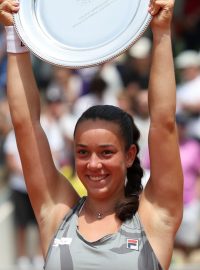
(130,155)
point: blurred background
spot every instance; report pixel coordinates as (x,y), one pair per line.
(65,94)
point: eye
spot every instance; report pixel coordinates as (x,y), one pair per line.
(107,152)
(82,152)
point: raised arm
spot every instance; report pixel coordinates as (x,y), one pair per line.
(51,195)
(162,197)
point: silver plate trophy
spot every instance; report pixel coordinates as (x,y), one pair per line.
(80,33)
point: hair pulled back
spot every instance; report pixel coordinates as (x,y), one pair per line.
(127,207)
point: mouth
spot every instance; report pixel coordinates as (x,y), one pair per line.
(96,178)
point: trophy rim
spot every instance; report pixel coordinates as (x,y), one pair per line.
(42,45)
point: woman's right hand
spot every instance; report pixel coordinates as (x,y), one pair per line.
(7,7)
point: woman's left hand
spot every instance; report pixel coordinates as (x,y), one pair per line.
(162,11)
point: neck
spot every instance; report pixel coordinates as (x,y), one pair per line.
(98,213)
(99,209)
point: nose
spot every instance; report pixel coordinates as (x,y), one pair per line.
(94,162)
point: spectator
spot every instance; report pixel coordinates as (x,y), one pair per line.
(188,94)
(191,25)
(23,212)
(3,63)
(136,69)
(66,83)
(112,77)
(188,236)
(86,75)
(5,127)
(138,108)
(53,110)
(96,96)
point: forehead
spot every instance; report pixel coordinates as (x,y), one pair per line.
(98,130)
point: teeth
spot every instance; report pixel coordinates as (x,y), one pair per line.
(96,178)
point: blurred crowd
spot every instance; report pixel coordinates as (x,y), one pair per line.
(123,82)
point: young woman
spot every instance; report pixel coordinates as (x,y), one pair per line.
(113,227)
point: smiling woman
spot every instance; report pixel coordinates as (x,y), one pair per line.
(117,226)
(106,143)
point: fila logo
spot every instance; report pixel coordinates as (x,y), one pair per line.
(133,244)
(62,242)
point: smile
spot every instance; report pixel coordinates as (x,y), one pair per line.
(97,178)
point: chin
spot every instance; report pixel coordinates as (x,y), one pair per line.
(99,194)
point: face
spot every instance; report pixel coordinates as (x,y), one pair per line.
(189,73)
(56,109)
(101,159)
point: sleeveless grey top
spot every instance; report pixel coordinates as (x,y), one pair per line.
(128,249)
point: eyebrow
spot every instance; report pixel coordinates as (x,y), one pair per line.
(102,145)
(81,145)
